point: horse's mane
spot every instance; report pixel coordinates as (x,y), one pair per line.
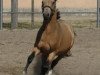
(39,34)
(58,14)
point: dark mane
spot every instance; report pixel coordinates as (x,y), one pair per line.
(58,14)
(39,34)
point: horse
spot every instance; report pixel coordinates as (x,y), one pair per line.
(54,40)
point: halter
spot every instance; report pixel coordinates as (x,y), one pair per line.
(48,7)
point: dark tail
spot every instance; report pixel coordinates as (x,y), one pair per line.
(75,33)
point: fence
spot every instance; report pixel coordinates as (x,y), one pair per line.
(1,16)
(98,13)
(14,13)
(66,14)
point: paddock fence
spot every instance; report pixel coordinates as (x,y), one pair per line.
(32,18)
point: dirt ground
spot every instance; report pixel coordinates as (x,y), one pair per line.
(15,46)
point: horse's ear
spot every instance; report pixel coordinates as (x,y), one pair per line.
(54,0)
(42,4)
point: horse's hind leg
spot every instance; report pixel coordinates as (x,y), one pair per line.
(55,62)
(30,59)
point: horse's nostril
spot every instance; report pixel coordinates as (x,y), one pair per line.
(47,14)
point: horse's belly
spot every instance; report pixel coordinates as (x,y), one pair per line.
(65,44)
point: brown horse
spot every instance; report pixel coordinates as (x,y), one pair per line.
(54,40)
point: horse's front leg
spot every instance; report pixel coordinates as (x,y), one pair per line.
(35,52)
(52,56)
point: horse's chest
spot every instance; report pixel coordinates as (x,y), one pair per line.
(46,42)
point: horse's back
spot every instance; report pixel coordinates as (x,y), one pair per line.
(66,27)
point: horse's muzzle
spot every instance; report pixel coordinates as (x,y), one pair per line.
(46,16)
(46,13)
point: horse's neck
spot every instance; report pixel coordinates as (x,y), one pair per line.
(52,25)
(48,26)
(54,18)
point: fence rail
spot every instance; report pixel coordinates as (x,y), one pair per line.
(14,13)
(41,12)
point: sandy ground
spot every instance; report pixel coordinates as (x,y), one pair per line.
(15,46)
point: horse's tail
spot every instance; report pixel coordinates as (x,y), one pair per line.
(75,33)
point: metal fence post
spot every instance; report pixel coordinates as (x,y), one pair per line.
(97,14)
(32,13)
(14,14)
(1,14)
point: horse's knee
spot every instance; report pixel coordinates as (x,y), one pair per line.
(36,51)
(32,55)
(51,57)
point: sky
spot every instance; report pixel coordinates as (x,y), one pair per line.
(60,3)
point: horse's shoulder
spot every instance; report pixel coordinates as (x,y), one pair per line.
(63,23)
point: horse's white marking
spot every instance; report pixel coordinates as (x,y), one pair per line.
(50,72)
(24,73)
(56,57)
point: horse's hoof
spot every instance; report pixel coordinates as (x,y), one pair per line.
(50,72)
(24,73)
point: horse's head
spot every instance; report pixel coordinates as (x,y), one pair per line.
(48,8)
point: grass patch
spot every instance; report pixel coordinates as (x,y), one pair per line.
(74,23)
(83,23)
(23,25)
